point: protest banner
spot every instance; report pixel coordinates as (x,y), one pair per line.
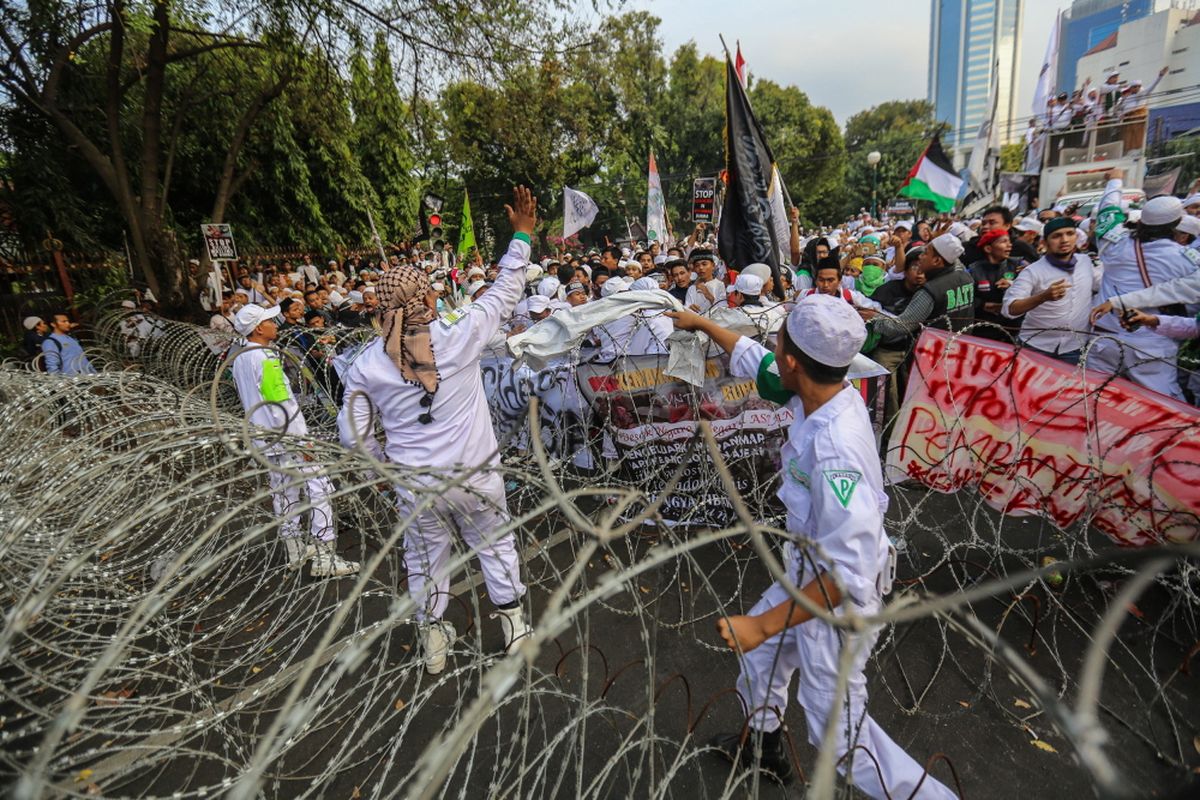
(650,420)
(704,197)
(1037,436)
(218,238)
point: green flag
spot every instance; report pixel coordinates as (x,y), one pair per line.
(466,229)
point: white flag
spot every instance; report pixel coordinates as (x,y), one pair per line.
(1048,77)
(579,211)
(656,208)
(981,164)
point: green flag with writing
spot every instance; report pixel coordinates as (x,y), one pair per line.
(466,229)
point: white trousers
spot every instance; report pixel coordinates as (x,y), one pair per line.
(813,649)
(477,510)
(285,495)
(1153,368)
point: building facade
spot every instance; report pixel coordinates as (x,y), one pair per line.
(1086,25)
(1139,49)
(973,44)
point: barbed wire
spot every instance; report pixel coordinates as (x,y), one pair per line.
(155,643)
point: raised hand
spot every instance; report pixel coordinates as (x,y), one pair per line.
(522,214)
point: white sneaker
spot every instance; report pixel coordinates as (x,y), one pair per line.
(328,564)
(514,626)
(436,638)
(298,551)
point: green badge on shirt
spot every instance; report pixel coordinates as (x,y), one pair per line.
(797,474)
(842,482)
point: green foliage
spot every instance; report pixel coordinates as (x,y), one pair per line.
(1012,157)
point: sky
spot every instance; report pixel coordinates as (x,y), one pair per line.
(846,55)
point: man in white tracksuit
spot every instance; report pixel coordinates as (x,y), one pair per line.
(1136,259)
(422,379)
(832,486)
(267,398)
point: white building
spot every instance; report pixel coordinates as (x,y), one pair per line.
(1138,49)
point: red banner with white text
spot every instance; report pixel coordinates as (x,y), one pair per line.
(1038,436)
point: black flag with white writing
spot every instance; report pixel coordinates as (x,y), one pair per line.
(748,232)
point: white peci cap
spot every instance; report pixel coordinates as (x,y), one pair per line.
(1189,224)
(948,246)
(1164,210)
(251,316)
(749,284)
(827,329)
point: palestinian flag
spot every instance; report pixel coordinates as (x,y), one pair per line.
(933,178)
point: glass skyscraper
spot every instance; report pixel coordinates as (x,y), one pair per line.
(969,42)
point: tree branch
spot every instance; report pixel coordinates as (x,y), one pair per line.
(50,89)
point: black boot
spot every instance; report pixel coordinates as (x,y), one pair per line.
(741,749)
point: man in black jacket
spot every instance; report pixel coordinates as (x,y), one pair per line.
(993,274)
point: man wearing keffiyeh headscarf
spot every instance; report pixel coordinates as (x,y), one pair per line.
(421,380)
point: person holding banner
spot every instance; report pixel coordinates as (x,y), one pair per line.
(423,380)
(839,556)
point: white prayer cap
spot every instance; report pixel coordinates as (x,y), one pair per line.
(660,259)
(1086,225)
(538,303)
(1193,200)
(1165,210)
(333,262)
(760,271)
(473,271)
(548,287)
(128,304)
(948,247)
(355,298)
(749,284)
(1081,237)
(251,316)
(586,270)
(1189,225)
(533,273)
(827,329)
(368,289)
(1029,224)
(1135,215)
(644,284)
(625,252)
(472,288)
(730,289)
(612,286)
(336,299)
(31,322)
(905,224)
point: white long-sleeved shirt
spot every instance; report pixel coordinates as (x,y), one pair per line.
(832,484)
(282,416)
(1181,290)
(1056,326)
(1178,328)
(461,433)
(1164,259)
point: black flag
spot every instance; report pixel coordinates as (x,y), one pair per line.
(748,228)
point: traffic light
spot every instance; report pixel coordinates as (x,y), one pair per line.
(431,217)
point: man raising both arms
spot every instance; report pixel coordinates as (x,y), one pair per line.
(422,378)
(832,487)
